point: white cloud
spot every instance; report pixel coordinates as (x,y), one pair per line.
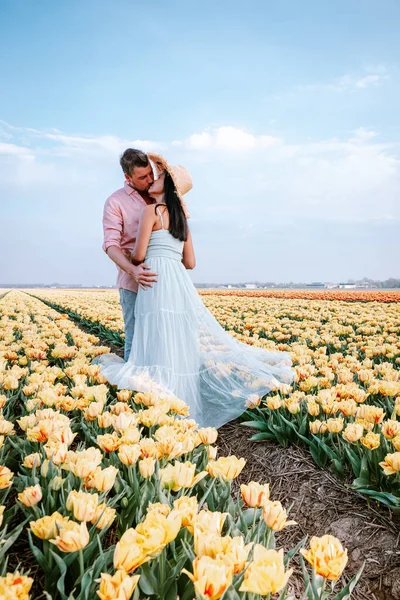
(55,156)
(348,179)
(353,82)
(56,142)
(263,201)
(229,138)
(15,150)
(369,77)
(331,178)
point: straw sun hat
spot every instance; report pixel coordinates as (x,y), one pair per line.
(179,174)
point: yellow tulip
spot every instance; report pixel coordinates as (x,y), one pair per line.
(236,553)
(353,432)
(212,452)
(47,527)
(104,516)
(130,436)
(5,477)
(10,383)
(31,495)
(120,407)
(313,409)
(41,432)
(327,556)
(210,521)
(188,507)
(159,508)
(156,415)
(348,408)
(129,553)
(226,467)
(109,442)
(159,530)
(6,427)
(371,440)
(397,406)
(211,577)
(2,509)
(72,537)
(274,402)
(15,586)
(317,427)
(124,395)
(275,516)
(208,435)
(254,494)
(92,412)
(266,572)
(57,452)
(129,454)
(148,448)
(83,468)
(366,425)
(124,421)
(365,375)
(390,428)
(170,447)
(82,504)
(147,466)
(177,406)
(253,400)
(391,464)
(147,399)
(103,479)
(105,419)
(119,586)
(208,544)
(373,414)
(396,442)
(180,475)
(334,425)
(32,460)
(293,406)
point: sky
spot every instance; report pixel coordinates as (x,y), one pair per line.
(286,114)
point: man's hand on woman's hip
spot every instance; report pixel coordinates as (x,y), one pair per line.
(143,275)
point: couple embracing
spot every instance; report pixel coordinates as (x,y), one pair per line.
(173,344)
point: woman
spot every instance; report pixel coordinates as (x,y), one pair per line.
(178,347)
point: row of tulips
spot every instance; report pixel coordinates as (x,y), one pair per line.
(121,495)
(345,402)
(378,295)
(102,313)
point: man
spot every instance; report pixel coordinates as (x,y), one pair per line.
(120,224)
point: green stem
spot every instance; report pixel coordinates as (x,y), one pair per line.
(254,522)
(81,564)
(162,568)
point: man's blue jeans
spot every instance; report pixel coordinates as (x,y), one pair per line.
(128,301)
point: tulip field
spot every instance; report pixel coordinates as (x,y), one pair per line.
(114,494)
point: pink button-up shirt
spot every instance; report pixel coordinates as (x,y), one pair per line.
(120,224)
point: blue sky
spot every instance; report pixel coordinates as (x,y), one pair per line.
(285,112)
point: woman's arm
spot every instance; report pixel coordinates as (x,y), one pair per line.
(146,223)
(189,259)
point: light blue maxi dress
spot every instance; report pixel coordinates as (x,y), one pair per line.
(180,349)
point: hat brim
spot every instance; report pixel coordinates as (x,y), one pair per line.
(161,165)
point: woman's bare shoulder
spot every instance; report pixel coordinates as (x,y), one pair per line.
(149,211)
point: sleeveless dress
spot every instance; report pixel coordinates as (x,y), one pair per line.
(180,349)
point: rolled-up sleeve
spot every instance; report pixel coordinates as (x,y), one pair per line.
(112,224)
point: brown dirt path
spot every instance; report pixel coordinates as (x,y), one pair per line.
(321,504)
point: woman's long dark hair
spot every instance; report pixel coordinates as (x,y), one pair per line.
(178,226)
